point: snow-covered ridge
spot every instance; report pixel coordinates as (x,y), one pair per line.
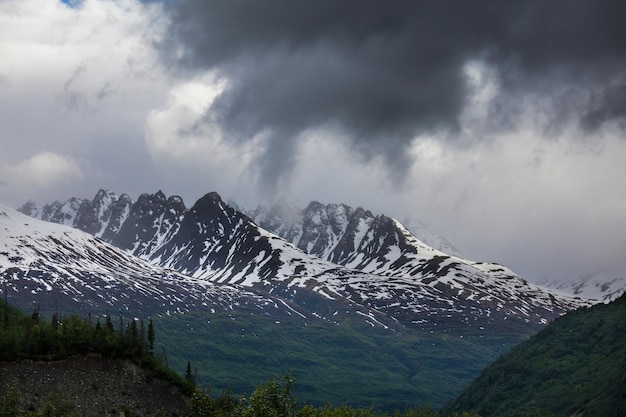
(335,251)
(49,263)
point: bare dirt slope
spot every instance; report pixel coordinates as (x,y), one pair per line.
(94,385)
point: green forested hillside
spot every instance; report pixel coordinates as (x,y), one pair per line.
(338,363)
(575,366)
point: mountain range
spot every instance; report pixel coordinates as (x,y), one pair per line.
(328,290)
(334,250)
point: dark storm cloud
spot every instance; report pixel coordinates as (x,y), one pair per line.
(385,72)
(610,105)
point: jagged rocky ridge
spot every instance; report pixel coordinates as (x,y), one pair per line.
(323,229)
(59,267)
(341,254)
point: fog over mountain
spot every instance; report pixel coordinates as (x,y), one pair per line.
(500,126)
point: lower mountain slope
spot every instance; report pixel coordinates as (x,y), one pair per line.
(342,362)
(576,366)
(240,336)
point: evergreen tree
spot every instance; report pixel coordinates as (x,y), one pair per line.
(150,338)
(55,321)
(142,338)
(35,316)
(188,374)
(6,307)
(134,333)
(108,323)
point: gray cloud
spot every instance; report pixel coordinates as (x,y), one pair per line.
(609,105)
(385,73)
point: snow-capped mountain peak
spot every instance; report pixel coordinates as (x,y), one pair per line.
(56,266)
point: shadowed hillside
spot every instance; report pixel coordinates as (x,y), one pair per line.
(575,366)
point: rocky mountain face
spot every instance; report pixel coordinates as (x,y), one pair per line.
(318,228)
(381,246)
(58,267)
(334,251)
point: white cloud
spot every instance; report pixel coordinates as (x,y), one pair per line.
(482,87)
(544,207)
(62,48)
(79,82)
(43,170)
(66,63)
(184,142)
(327,170)
(179,132)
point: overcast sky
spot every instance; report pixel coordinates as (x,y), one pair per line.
(500,125)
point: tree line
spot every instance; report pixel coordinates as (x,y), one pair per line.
(275,398)
(32,336)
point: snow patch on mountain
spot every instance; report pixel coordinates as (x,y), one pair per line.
(47,262)
(344,254)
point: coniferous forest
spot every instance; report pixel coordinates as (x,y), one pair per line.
(34,337)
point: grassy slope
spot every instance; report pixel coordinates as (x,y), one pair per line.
(575,366)
(346,363)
